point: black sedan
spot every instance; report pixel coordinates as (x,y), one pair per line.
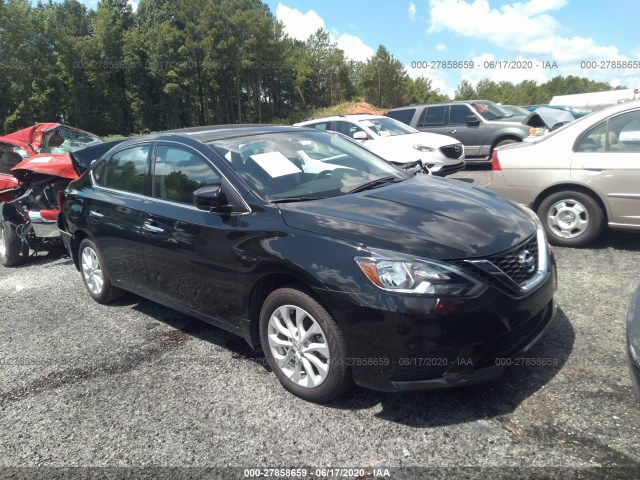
(340,266)
(633,341)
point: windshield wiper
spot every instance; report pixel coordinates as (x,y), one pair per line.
(375,183)
(294,199)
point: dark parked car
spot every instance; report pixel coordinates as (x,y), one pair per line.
(633,341)
(353,271)
(480,125)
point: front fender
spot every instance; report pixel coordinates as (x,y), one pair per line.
(10,212)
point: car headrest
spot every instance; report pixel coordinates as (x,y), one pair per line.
(10,159)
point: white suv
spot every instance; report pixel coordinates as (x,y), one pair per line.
(396,142)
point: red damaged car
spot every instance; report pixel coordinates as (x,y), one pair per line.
(35,166)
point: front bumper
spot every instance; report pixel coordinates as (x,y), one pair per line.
(43,226)
(633,341)
(448,169)
(398,342)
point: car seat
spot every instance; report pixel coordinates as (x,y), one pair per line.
(8,160)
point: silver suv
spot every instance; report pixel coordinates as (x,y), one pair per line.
(480,125)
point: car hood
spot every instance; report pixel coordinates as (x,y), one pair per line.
(423,216)
(57,164)
(399,148)
(547,117)
(32,136)
(434,140)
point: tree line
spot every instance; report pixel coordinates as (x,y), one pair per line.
(180,63)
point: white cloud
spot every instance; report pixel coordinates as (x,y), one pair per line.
(354,48)
(441,47)
(134,5)
(412,11)
(439,79)
(299,25)
(527,30)
(504,27)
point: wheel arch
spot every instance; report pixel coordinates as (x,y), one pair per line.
(576,187)
(504,136)
(267,284)
(76,240)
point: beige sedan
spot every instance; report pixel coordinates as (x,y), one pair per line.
(578,178)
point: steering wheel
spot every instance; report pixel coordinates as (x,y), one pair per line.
(322,174)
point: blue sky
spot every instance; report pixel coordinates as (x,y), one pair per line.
(567,32)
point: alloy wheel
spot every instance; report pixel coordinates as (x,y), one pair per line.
(299,346)
(91,271)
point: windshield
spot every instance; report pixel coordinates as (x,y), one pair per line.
(515,110)
(388,127)
(65,140)
(303,165)
(489,110)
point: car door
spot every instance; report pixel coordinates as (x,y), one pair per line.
(348,128)
(472,136)
(607,157)
(188,251)
(114,215)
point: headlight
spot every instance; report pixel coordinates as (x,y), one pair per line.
(543,244)
(418,276)
(424,148)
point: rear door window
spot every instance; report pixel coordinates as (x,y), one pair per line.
(126,170)
(404,116)
(321,126)
(432,117)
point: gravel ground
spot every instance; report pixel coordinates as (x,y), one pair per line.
(135,384)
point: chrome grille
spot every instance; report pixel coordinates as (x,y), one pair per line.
(513,263)
(452,151)
(508,262)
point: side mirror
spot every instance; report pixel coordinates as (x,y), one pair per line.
(472,120)
(210,198)
(360,135)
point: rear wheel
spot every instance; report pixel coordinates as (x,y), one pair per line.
(571,219)
(12,251)
(94,276)
(304,346)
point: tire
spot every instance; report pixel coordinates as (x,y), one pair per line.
(316,374)
(571,219)
(12,251)
(94,276)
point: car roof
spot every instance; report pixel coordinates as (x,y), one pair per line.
(350,116)
(211,133)
(437,104)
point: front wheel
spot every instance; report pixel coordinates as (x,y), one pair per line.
(94,276)
(12,250)
(304,346)
(571,219)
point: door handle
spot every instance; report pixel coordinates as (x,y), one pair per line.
(453,131)
(151,228)
(96,214)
